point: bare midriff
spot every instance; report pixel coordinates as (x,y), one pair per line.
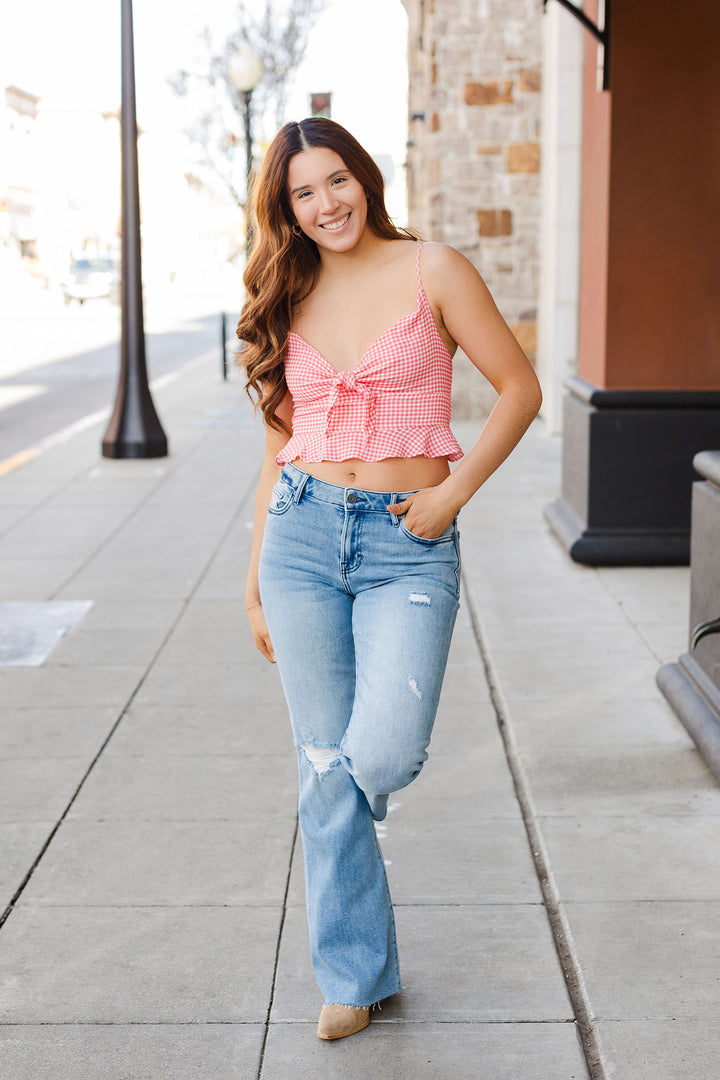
(390,474)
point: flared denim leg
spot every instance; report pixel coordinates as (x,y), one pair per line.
(360,615)
(350,917)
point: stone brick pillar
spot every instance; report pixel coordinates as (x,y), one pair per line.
(474,153)
(647,394)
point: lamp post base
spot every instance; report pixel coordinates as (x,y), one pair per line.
(115,449)
(134,429)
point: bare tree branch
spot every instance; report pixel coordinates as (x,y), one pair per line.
(278,34)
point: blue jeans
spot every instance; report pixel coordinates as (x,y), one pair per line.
(360,614)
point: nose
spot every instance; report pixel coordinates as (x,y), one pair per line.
(328,201)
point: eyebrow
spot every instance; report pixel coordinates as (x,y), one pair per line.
(338,172)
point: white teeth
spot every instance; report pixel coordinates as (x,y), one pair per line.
(331,226)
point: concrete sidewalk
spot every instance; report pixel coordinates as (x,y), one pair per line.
(147,798)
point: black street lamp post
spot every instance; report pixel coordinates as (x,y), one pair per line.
(247,97)
(246,70)
(134,430)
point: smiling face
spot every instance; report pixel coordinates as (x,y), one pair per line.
(329,204)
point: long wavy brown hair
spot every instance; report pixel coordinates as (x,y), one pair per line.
(283,267)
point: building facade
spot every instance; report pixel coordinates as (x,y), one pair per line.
(19,171)
(474,152)
(646,396)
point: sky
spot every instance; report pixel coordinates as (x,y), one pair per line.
(68,52)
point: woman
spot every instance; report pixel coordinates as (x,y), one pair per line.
(350,326)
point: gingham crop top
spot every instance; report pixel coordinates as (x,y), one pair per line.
(394,403)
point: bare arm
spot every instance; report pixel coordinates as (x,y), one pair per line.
(475,324)
(274,442)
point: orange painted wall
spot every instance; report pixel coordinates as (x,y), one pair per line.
(594,217)
(654,322)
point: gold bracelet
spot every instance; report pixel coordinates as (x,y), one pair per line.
(258,603)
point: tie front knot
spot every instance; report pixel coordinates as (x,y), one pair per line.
(348,382)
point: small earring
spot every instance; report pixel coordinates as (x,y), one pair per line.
(297,231)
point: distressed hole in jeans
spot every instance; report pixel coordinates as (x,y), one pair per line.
(322,758)
(421,598)
(414,688)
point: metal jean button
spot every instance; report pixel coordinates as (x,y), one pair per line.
(351,497)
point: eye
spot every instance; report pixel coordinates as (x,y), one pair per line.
(302,194)
(339,179)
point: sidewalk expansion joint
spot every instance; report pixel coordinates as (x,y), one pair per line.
(405,1021)
(559,926)
(123,711)
(34,507)
(128,1023)
(139,506)
(266,1032)
(636,627)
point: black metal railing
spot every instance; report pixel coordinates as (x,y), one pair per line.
(703,629)
(601,33)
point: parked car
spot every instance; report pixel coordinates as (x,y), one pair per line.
(89,279)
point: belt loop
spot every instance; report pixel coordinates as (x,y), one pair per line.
(297,493)
(394,517)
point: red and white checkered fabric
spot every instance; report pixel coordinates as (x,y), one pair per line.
(395,403)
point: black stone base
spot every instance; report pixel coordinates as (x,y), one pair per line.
(628,474)
(616,547)
(695,699)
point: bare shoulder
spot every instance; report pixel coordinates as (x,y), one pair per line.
(440,264)
(399,251)
(471,317)
(447,275)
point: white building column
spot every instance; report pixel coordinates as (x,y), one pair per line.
(562,93)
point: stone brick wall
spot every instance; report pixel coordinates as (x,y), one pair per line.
(474,151)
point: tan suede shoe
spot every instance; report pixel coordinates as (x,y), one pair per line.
(337,1021)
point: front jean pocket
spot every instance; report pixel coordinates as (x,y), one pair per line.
(444,538)
(281,497)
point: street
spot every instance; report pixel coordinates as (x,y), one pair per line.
(60,363)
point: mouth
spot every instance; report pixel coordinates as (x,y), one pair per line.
(331,226)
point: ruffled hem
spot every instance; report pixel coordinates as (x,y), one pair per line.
(425,442)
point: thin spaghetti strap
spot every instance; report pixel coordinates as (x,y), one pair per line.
(417,262)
